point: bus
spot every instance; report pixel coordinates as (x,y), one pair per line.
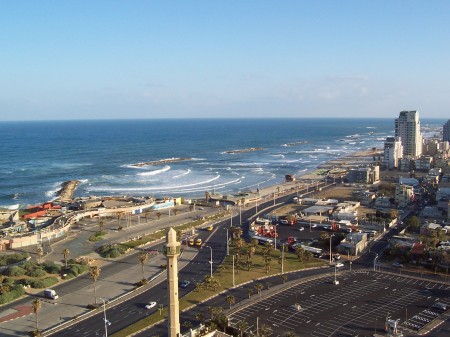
(262,240)
(317,252)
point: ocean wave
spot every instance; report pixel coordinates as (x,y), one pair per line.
(182,174)
(152,173)
(278,155)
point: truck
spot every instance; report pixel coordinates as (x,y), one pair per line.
(51,294)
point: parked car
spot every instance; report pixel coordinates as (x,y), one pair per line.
(301,229)
(150,305)
(397,264)
(209,228)
(185,284)
(339,265)
(440,306)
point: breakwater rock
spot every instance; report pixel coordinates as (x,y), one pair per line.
(162,161)
(65,194)
(251,149)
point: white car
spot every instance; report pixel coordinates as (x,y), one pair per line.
(339,264)
(150,305)
(314,226)
(301,229)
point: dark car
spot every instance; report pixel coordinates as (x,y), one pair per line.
(185,284)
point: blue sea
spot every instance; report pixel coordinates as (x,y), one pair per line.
(37,157)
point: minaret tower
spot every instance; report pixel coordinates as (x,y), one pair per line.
(172,251)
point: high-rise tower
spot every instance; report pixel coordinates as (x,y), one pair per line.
(407,127)
(172,251)
(446,132)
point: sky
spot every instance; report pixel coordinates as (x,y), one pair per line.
(213,59)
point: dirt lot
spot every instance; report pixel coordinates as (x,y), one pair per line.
(340,193)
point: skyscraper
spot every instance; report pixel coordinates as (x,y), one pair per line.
(407,127)
(446,132)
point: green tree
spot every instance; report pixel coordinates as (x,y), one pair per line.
(249,292)
(284,278)
(413,223)
(40,252)
(158,215)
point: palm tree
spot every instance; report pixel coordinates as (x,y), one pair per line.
(221,269)
(268,284)
(36,305)
(40,252)
(290,334)
(259,287)
(230,300)
(188,324)
(249,292)
(101,225)
(199,316)
(65,253)
(175,211)
(267,248)
(284,278)
(94,271)
(242,326)
(267,261)
(191,208)
(143,257)
(300,252)
(158,215)
(265,330)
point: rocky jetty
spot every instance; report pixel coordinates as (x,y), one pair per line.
(65,194)
(251,149)
(159,162)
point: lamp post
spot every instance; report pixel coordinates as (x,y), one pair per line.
(274,197)
(104,318)
(375,262)
(330,246)
(233,272)
(228,239)
(210,260)
(275,238)
(240,214)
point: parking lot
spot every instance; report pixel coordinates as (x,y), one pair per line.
(358,306)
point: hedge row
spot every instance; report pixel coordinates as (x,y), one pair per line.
(15,292)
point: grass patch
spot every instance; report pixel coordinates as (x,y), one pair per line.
(225,277)
(116,250)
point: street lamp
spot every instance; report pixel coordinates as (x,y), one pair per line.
(228,247)
(275,238)
(375,261)
(211,260)
(330,246)
(104,318)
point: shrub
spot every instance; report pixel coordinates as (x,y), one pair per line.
(37,272)
(15,271)
(14,292)
(43,283)
(74,270)
(6,260)
(29,265)
(52,268)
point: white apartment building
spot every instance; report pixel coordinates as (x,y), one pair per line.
(393,151)
(407,127)
(404,194)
